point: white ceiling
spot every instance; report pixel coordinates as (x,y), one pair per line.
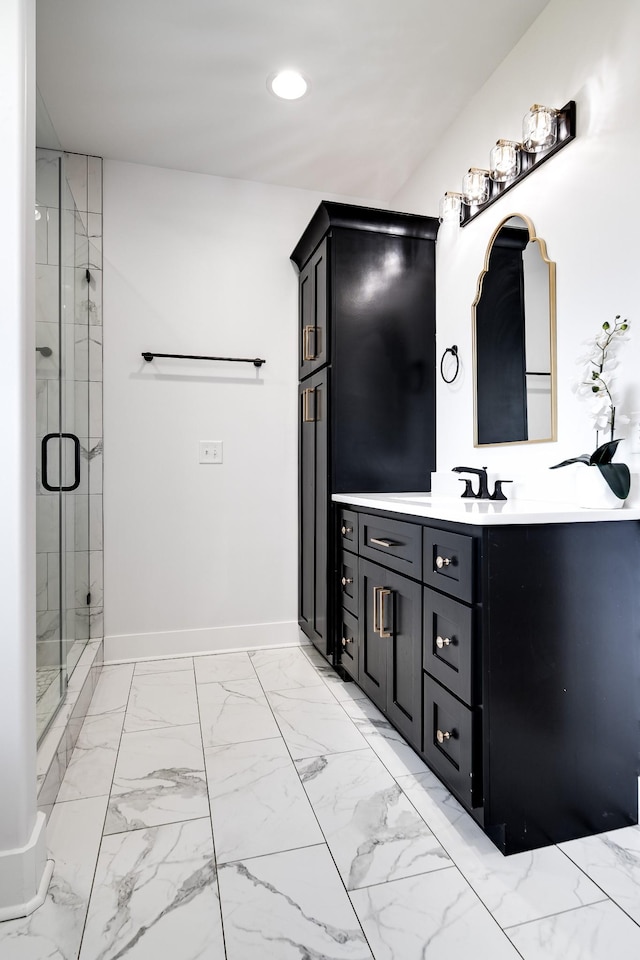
(182,83)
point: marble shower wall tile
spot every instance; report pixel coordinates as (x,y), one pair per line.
(155,895)
(224,666)
(598,932)
(54,930)
(161,700)
(159,778)
(94,184)
(289,906)
(435,916)
(258,805)
(313,723)
(372,830)
(284,669)
(75,170)
(234,712)
(518,888)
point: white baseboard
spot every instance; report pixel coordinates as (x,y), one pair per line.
(25,874)
(188,643)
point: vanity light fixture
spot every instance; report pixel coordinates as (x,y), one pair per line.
(287,84)
(504,162)
(539,128)
(545,131)
(475,186)
(451,207)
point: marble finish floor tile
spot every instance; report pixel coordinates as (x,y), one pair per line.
(155,895)
(234,712)
(93,761)
(313,723)
(289,906)
(516,889)
(172,665)
(612,860)
(341,689)
(224,666)
(112,690)
(161,700)
(597,932)
(159,778)
(390,746)
(258,804)
(435,916)
(372,830)
(284,669)
(54,930)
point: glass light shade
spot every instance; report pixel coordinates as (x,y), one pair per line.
(475,186)
(504,161)
(288,85)
(451,208)
(539,128)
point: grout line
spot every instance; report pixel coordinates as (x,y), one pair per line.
(559,913)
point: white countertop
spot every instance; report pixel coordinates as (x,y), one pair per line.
(483,513)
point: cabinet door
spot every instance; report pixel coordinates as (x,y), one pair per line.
(391,652)
(313,312)
(314,546)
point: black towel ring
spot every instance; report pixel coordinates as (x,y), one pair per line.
(454,352)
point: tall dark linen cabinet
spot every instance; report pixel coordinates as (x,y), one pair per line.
(367,380)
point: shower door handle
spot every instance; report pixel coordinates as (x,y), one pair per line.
(76,462)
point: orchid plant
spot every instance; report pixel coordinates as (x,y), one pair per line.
(596,382)
(598,375)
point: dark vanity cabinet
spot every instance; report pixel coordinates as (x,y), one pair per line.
(367,381)
(509,657)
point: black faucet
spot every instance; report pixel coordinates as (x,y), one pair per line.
(483,487)
(483,490)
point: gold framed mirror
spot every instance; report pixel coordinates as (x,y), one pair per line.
(514,339)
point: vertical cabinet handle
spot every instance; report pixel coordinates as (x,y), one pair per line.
(58,488)
(379,593)
(306,337)
(307,416)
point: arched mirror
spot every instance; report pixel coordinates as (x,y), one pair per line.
(514,330)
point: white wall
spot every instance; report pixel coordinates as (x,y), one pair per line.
(199,557)
(583,202)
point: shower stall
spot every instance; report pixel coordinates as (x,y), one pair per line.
(68,418)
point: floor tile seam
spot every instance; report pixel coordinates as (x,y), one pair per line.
(322,833)
(104,821)
(210,818)
(408,876)
(560,913)
(274,853)
(155,826)
(608,896)
(164,726)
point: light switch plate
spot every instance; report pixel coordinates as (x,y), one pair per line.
(211,451)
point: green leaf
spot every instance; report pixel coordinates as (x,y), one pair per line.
(605,453)
(618,477)
(585,458)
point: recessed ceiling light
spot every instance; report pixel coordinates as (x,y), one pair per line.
(288,84)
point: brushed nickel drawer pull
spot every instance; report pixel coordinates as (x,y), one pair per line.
(346,530)
(442,562)
(442,735)
(384,634)
(383,543)
(442,642)
(346,640)
(346,580)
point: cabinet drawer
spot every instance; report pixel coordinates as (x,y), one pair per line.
(448,563)
(393,543)
(348,529)
(451,742)
(348,585)
(349,641)
(449,644)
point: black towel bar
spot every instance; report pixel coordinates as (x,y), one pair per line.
(257,362)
